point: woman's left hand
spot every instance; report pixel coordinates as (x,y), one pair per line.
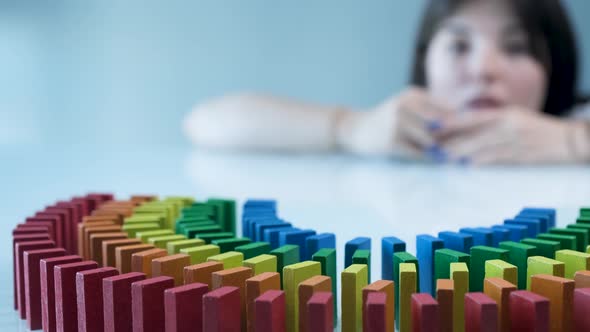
(511,136)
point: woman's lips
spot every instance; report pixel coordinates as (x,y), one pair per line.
(484,103)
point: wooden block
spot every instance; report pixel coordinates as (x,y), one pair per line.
(479,256)
(582,279)
(146,218)
(90,298)
(65,216)
(375,313)
(108,250)
(142,261)
(286,255)
(89,231)
(293,275)
(257,286)
(20,248)
(319,311)
(96,241)
(581,306)
(30,228)
(363,256)
(81,243)
(231,243)
(254,249)
(202,273)
(353,245)
(580,234)
(386,287)
(305,291)
(262,263)
(66,309)
(229,259)
(425,313)
(518,254)
(235,277)
(499,290)
(174,247)
(46,266)
(445,293)
(270,312)
(144,236)
(107,216)
(560,292)
(543,265)
(460,277)
(327,258)
(117,301)
(565,241)
(399,258)
(389,246)
(408,285)
(171,266)
(222,309)
(133,229)
(147,298)
(530,312)
(443,259)
(201,253)
(481,313)
(123,255)
(18,239)
(54,221)
(184,307)
(545,248)
(496,268)
(574,261)
(210,237)
(32,284)
(426,245)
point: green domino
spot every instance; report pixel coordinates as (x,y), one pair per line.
(585,227)
(400,258)
(145,235)
(162,241)
(133,229)
(209,237)
(200,209)
(574,261)
(363,256)
(231,244)
(580,234)
(254,249)
(479,256)
(227,212)
(565,241)
(327,257)
(294,274)
(286,255)
(496,268)
(152,208)
(585,212)
(229,259)
(184,200)
(201,253)
(443,259)
(146,218)
(588,250)
(518,254)
(262,263)
(583,220)
(192,231)
(182,224)
(543,265)
(174,247)
(545,248)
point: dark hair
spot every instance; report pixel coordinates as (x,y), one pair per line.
(552,43)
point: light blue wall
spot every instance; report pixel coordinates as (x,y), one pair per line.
(126,71)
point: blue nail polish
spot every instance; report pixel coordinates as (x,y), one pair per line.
(464,161)
(436,153)
(433,125)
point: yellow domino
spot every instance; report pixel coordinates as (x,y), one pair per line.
(293,275)
(460,276)
(543,265)
(229,259)
(574,261)
(262,263)
(497,268)
(408,281)
(354,279)
(201,253)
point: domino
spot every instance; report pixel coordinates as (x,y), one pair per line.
(270,312)
(222,309)
(456,241)
(256,287)
(545,248)
(20,249)
(353,245)
(108,250)
(363,256)
(201,253)
(375,312)
(460,276)
(529,310)
(147,298)
(116,297)
(123,255)
(174,247)
(543,265)
(320,310)
(230,244)
(408,285)
(320,241)
(327,258)
(66,310)
(499,290)
(582,279)
(253,249)
(581,304)
(201,273)
(183,307)
(481,313)
(171,266)
(89,296)
(354,279)
(262,263)
(389,246)
(425,313)
(235,277)
(445,293)
(385,313)
(305,291)
(142,261)
(518,254)
(496,268)
(574,261)
(426,246)
(293,275)
(559,291)
(479,255)
(230,259)
(298,238)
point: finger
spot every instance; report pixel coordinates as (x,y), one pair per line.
(465,123)
(422,107)
(464,148)
(500,155)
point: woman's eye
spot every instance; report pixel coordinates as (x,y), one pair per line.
(459,47)
(516,47)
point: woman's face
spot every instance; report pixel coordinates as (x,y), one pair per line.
(479,59)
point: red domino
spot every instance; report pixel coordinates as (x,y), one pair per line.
(89,298)
(116,292)
(184,307)
(66,309)
(530,310)
(147,298)
(270,312)
(47,224)
(21,247)
(48,288)
(320,312)
(582,309)
(76,218)
(66,213)
(58,220)
(375,312)
(30,229)
(222,309)
(83,203)
(481,313)
(424,313)
(18,239)
(32,284)
(55,223)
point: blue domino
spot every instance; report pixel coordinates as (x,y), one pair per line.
(270,204)
(481,237)
(515,232)
(257,209)
(297,238)
(550,213)
(389,246)
(425,247)
(251,217)
(352,246)
(542,218)
(498,235)
(271,235)
(257,227)
(457,241)
(533,225)
(320,241)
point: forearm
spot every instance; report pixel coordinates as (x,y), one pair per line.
(263,123)
(580,140)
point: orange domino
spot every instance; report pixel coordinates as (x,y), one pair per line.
(582,279)
(499,290)
(96,241)
(255,287)
(386,287)
(82,227)
(445,292)
(88,231)
(142,261)
(306,289)
(171,266)
(235,277)
(123,255)
(108,250)
(202,273)
(560,292)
